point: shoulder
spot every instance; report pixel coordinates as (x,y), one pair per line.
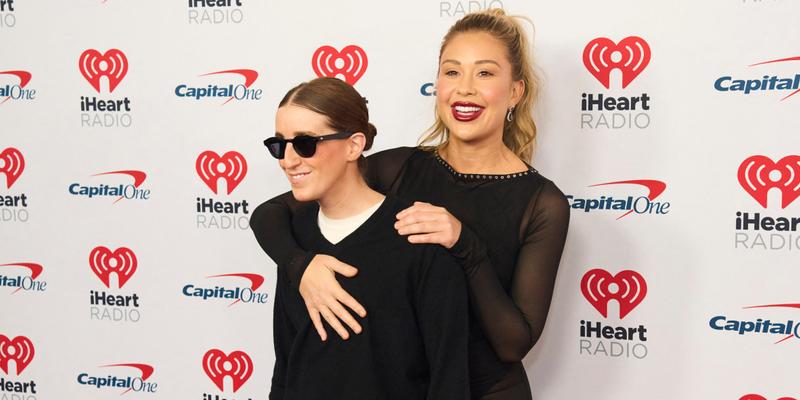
(261,214)
(546,192)
(396,156)
(548,207)
(396,152)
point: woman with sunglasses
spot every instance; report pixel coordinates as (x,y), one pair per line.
(477,197)
(413,344)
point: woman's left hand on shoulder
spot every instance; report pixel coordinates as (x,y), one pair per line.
(426,223)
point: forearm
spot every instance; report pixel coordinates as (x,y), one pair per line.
(271,223)
(501,320)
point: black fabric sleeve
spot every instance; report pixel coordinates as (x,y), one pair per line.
(271,221)
(443,313)
(384,168)
(514,323)
(283,334)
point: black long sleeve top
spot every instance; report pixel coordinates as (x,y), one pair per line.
(513,232)
(414,339)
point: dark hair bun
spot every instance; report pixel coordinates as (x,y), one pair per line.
(370,133)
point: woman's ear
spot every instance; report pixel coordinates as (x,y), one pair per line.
(517,91)
(355,146)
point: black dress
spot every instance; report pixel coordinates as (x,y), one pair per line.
(414,342)
(513,232)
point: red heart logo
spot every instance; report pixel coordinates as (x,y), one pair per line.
(633,55)
(352,63)
(122,261)
(754,176)
(12,164)
(232,167)
(20,349)
(113,65)
(629,290)
(237,365)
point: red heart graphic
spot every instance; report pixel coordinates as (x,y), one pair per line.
(352,59)
(20,349)
(633,52)
(754,176)
(113,65)
(125,264)
(240,367)
(233,165)
(12,165)
(631,289)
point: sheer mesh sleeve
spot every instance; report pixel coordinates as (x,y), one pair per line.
(271,221)
(271,224)
(384,169)
(514,323)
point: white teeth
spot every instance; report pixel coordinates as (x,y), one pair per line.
(466,109)
(298,176)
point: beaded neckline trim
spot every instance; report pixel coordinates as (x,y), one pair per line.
(530,170)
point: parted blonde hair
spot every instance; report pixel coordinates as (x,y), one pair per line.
(519,134)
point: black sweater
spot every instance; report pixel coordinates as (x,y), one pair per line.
(414,339)
(513,232)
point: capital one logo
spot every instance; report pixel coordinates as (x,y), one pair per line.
(113,65)
(237,365)
(241,91)
(231,167)
(758,174)
(16,91)
(121,261)
(627,287)
(36,270)
(349,64)
(11,165)
(20,350)
(630,56)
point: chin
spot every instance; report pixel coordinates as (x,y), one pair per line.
(468,134)
(303,194)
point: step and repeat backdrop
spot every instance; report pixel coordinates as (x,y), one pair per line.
(131,160)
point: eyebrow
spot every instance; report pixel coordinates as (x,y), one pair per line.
(456,62)
(298,133)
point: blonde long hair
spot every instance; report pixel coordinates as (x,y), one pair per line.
(519,135)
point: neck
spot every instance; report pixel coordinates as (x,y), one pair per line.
(490,156)
(350,196)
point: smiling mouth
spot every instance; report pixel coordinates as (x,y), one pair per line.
(465,112)
(298,177)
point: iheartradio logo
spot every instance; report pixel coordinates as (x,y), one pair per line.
(112,65)
(12,163)
(121,261)
(348,64)
(237,365)
(20,350)
(758,174)
(631,56)
(627,287)
(231,166)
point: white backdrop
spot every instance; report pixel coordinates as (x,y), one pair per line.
(679,272)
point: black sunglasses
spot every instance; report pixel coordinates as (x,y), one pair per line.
(304,145)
